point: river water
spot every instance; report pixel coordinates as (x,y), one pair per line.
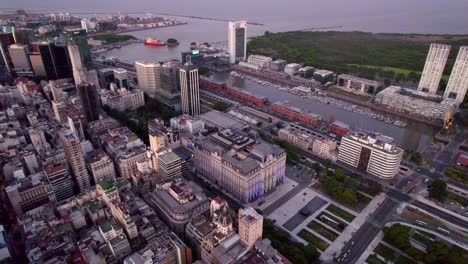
(414,136)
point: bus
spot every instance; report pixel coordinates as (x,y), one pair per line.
(421,223)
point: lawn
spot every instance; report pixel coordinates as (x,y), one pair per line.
(386,252)
(325,232)
(421,238)
(404,260)
(312,239)
(340,213)
(372,259)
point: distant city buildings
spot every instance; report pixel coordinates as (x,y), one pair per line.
(237,41)
(374,154)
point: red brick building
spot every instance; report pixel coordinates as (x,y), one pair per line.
(285,109)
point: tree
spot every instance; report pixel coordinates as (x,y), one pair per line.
(327,163)
(398,235)
(438,189)
(221,106)
(437,252)
(339,175)
(171,41)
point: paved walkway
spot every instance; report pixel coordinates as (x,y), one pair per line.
(348,233)
(281,190)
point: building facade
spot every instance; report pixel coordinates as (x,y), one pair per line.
(458,81)
(250,226)
(374,154)
(434,68)
(189,91)
(74,154)
(89,97)
(237,41)
(148,76)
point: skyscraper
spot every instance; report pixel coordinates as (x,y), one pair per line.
(189,90)
(6,39)
(24,36)
(121,78)
(37,63)
(89,97)
(434,68)
(73,153)
(20,58)
(79,72)
(60,180)
(78,37)
(237,41)
(169,91)
(458,82)
(148,77)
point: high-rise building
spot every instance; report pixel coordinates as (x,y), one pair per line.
(237,41)
(89,101)
(20,58)
(106,77)
(60,180)
(171,165)
(458,82)
(31,162)
(76,122)
(38,140)
(189,90)
(24,36)
(121,78)
(250,226)
(37,63)
(73,153)
(168,92)
(63,65)
(78,37)
(374,154)
(6,39)
(434,68)
(148,75)
(79,72)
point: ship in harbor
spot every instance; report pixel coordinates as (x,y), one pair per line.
(154,42)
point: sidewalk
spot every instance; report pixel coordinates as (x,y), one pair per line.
(281,190)
(370,249)
(348,233)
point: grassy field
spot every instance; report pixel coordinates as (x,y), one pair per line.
(367,54)
(313,239)
(340,213)
(386,252)
(325,232)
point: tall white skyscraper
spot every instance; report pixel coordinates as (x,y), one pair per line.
(79,72)
(434,68)
(189,90)
(148,75)
(458,82)
(237,41)
(74,154)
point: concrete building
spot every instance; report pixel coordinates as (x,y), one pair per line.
(189,90)
(38,140)
(423,104)
(171,165)
(259,60)
(177,202)
(106,77)
(148,75)
(73,152)
(89,97)
(27,193)
(101,166)
(19,55)
(325,148)
(187,124)
(168,92)
(79,71)
(123,99)
(278,65)
(238,165)
(31,162)
(458,81)
(357,85)
(60,180)
(76,123)
(292,68)
(4,251)
(374,154)
(434,68)
(121,78)
(237,41)
(250,226)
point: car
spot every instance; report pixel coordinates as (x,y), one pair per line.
(344,256)
(352,243)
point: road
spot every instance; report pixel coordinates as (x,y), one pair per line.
(356,246)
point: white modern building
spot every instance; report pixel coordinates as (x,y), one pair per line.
(190,91)
(79,72)
(237,41)
(434,68)
(458,82)
(148,76)
(186,123)
(374,154)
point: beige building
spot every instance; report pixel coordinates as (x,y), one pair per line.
(121,213)
(123,99)
(101,166)
(238,165)
(458,82)
(325,148)
(250,226)
(434,68)
(73,152)
(148,75)
(357,85)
